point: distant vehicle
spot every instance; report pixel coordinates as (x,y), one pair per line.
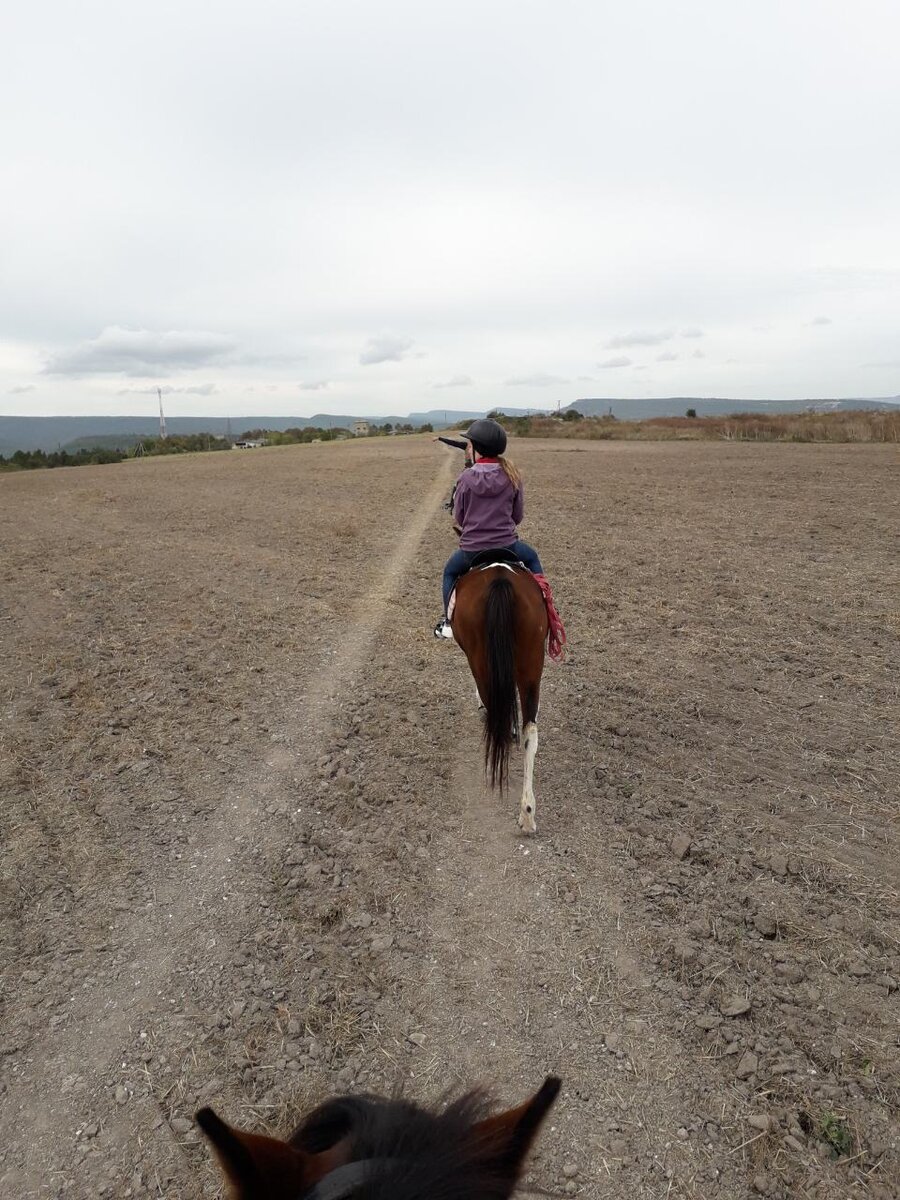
(247,445)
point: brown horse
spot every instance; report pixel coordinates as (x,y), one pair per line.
(371,1148)
(500,621)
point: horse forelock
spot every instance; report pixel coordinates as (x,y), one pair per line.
(426,1152)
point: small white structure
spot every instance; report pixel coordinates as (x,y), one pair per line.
(247,445)
(360,428)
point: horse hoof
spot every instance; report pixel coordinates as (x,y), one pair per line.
(527,823)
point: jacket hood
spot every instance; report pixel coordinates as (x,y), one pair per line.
(491,481)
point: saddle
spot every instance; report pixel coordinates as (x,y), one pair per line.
(494,558)
(501,557)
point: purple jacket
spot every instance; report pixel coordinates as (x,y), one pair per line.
(487,507)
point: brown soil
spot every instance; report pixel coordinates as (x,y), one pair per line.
(248,858)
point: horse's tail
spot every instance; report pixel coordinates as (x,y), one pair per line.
(501,720)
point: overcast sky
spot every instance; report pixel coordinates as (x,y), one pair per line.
(376,207)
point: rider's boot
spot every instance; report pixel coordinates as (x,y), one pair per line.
(443,630)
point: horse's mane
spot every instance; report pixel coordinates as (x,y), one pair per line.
(427,1152)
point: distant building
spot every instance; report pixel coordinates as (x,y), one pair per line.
(361,428)
(248,445)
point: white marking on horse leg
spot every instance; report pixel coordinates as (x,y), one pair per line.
(478,697)
(528,805)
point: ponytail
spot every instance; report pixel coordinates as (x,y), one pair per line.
(512,472)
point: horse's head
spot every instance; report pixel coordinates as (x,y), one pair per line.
(365,1147)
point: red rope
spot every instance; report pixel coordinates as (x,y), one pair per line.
(556,641)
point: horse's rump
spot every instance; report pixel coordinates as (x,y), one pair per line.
(500,621)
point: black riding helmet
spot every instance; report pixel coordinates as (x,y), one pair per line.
(487,437)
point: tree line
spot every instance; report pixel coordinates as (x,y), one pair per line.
(193,443)
(85,456)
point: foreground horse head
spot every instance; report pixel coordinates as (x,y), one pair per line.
(500,621)
(373,1149)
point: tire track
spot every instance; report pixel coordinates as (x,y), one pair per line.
(201,909)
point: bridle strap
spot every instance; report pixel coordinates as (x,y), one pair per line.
(343,1181)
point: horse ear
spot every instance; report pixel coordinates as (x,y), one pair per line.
(506,1138)
(262,1168)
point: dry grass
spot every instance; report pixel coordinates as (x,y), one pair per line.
(874,425)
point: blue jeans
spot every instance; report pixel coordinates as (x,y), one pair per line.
(460,561)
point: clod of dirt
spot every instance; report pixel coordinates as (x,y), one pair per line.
(680,845)
(748,1065)
(766,925)
(709,1021)
(736,1006)
(761,1121)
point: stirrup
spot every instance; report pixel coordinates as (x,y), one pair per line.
(442,629)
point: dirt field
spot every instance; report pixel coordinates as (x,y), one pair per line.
(248,858)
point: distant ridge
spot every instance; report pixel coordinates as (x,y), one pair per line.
(50,433)
(677,406)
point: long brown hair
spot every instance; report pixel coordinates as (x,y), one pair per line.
(513,474)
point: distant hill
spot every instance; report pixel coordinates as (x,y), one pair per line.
(102,441)
(677,406)
(52,433)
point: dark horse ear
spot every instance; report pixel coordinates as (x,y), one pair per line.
(505,1139)
(263,1168)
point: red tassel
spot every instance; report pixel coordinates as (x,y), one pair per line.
(556,641)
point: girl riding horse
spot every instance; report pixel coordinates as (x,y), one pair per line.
(488,505)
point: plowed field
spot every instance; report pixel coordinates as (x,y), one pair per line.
(248,859)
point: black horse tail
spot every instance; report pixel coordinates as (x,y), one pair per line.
(501,719)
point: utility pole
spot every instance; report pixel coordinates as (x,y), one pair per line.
(162,419)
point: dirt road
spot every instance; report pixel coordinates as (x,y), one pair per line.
(248,858)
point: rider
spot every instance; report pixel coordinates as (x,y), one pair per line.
(487,507)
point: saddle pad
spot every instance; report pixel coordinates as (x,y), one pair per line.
(480,567)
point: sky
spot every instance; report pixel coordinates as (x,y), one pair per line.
(295,206)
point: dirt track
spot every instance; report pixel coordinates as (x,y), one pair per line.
(248,859)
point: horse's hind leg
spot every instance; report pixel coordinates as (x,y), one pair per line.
(529,720)
(528,805)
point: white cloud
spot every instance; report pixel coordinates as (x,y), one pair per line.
(639,339)
(667,356)
(538,380)
(821,321)
(122,351)
(456,381)
(611,363)
(21,390)
(316,385)
(386,348)
(391,216)
(198,389)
